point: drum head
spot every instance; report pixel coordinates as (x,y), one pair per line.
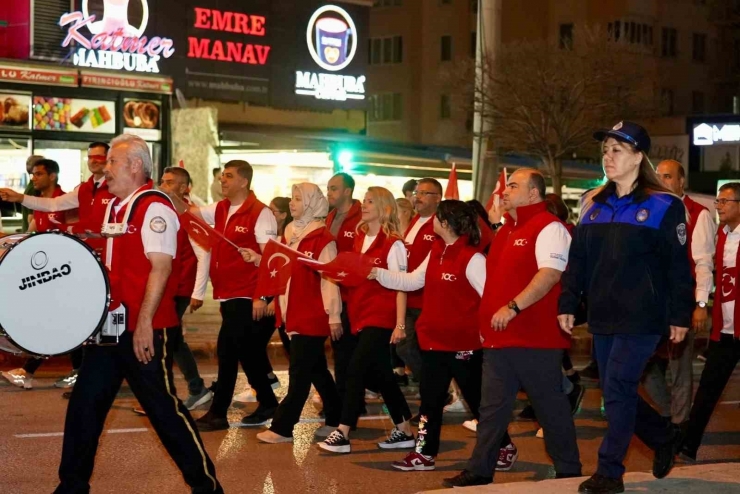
(55,293)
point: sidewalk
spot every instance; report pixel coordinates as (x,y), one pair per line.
(717,478)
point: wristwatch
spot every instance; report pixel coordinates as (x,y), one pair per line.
(512,305)
(701,305)
(496,226)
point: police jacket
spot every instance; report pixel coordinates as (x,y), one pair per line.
(629,258)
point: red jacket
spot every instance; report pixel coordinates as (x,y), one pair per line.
(511,266)
(370,304)
(347,232)
(130,268)
(417,252)
(719,292)
(93,203)
(306,314)
(449,318)
(230,275)
(695,210)
(50,221)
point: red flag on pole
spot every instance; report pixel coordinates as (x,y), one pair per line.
(498,190)
(348,268)
(200,231)
(181,164)
(452,192)
(275,268)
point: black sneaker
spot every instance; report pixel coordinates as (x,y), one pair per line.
(665,454)
(261,416)
(274,381)
(465,479)
(575,378)
(598,484)
(575,398)
(591,371)
(686,455)
(402,380)
(210,423)
(336,443)
(398,440)
(527,414)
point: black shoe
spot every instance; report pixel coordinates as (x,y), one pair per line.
(567,475)
(598,484)
(687,455)
(665,454)
(402,380)
(465,479)
(575,378)
(527,414)
(591,371)
(67,395)
(336,443)
(210,423)
(274,381)
(575,398)
(415,420)
(213,387)
(259,417)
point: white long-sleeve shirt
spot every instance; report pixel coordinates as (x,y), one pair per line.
(702,251)
(475,272)
(201,273)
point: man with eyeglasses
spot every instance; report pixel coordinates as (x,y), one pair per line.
(724,347)
(419,238)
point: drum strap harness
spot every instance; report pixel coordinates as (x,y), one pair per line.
(112,229)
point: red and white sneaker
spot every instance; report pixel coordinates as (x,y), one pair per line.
(414,461)
(506,458)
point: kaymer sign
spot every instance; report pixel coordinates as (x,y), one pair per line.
(111,42)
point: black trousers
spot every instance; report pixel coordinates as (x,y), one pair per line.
(32,364)
(722,358)
(370,360)
(438,370)
(240,342)
(537,371)
(307,365)
(100,378)
(183,356)
(343,349)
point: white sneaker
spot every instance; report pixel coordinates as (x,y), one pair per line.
(67,381)
(371,395)
(471,425)
(18,377)
(246,396)
(540,433)
(457,406)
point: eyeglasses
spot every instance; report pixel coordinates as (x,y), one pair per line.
(424,193)
(723,202)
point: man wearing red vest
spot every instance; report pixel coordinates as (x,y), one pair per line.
(522,342)
(419,238)
(249,224)
(140,253)
(676,402)
(724,345)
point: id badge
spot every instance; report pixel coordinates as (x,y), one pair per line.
(465,355)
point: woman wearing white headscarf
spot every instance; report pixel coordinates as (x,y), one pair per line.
(311,309)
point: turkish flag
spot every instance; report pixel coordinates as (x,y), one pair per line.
(729,284)
(498,190)
(348,268)
(275,269)
(452,192)
(200,231)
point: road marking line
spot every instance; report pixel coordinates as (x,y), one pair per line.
(59,434)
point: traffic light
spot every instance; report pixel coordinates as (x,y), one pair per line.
(345,159)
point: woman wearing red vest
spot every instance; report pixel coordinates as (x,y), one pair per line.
(311,309)
(453,275)
(373,312)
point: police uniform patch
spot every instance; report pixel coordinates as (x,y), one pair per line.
(681,231)
(158,224)
(594,214)
(642,215)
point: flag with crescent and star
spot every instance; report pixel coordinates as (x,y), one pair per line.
(452,192)
(498,190)
(200,231)
(348,268)
(275,268)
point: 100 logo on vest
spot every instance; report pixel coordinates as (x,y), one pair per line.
(241,229)
(349,234)
(520,242)
(429,238)
(45,277)
(448,277)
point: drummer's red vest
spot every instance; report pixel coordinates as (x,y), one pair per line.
(695,210)
(449,317)
(511,265)
(418,250)
(306,313)
(370,304)
(130,268)
(347,232)
(93,203)
(50,221)
(230,275)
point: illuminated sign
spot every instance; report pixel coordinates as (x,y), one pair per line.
(113,43)
(228,51)
(332,41)
(706,134)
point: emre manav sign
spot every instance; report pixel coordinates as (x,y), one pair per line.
(112,43)
(228,51)
(332,42)
(709,134)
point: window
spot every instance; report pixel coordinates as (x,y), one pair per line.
(566,36)
(445,109)
(697,102)
(669,37)
(385,50)
(630,32)
(473,43)
(699,52)
(446,44)
(385,107)
(666,101)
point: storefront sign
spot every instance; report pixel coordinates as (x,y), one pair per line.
(709,134)
(74,115)
(127,83)
(332,41)
(34,76)
(112,43)
(142,118)
(14,111)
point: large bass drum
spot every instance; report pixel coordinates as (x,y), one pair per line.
(54,294)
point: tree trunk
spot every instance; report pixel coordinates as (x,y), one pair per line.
(556,174)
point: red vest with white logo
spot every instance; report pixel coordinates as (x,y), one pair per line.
(511,265)
(93,203)
(347,233)
(130,268)
(449,318)
(306,314)
(695,210)
(370,304)
(417,252)
(726,291)
(50,221)
(230,275)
